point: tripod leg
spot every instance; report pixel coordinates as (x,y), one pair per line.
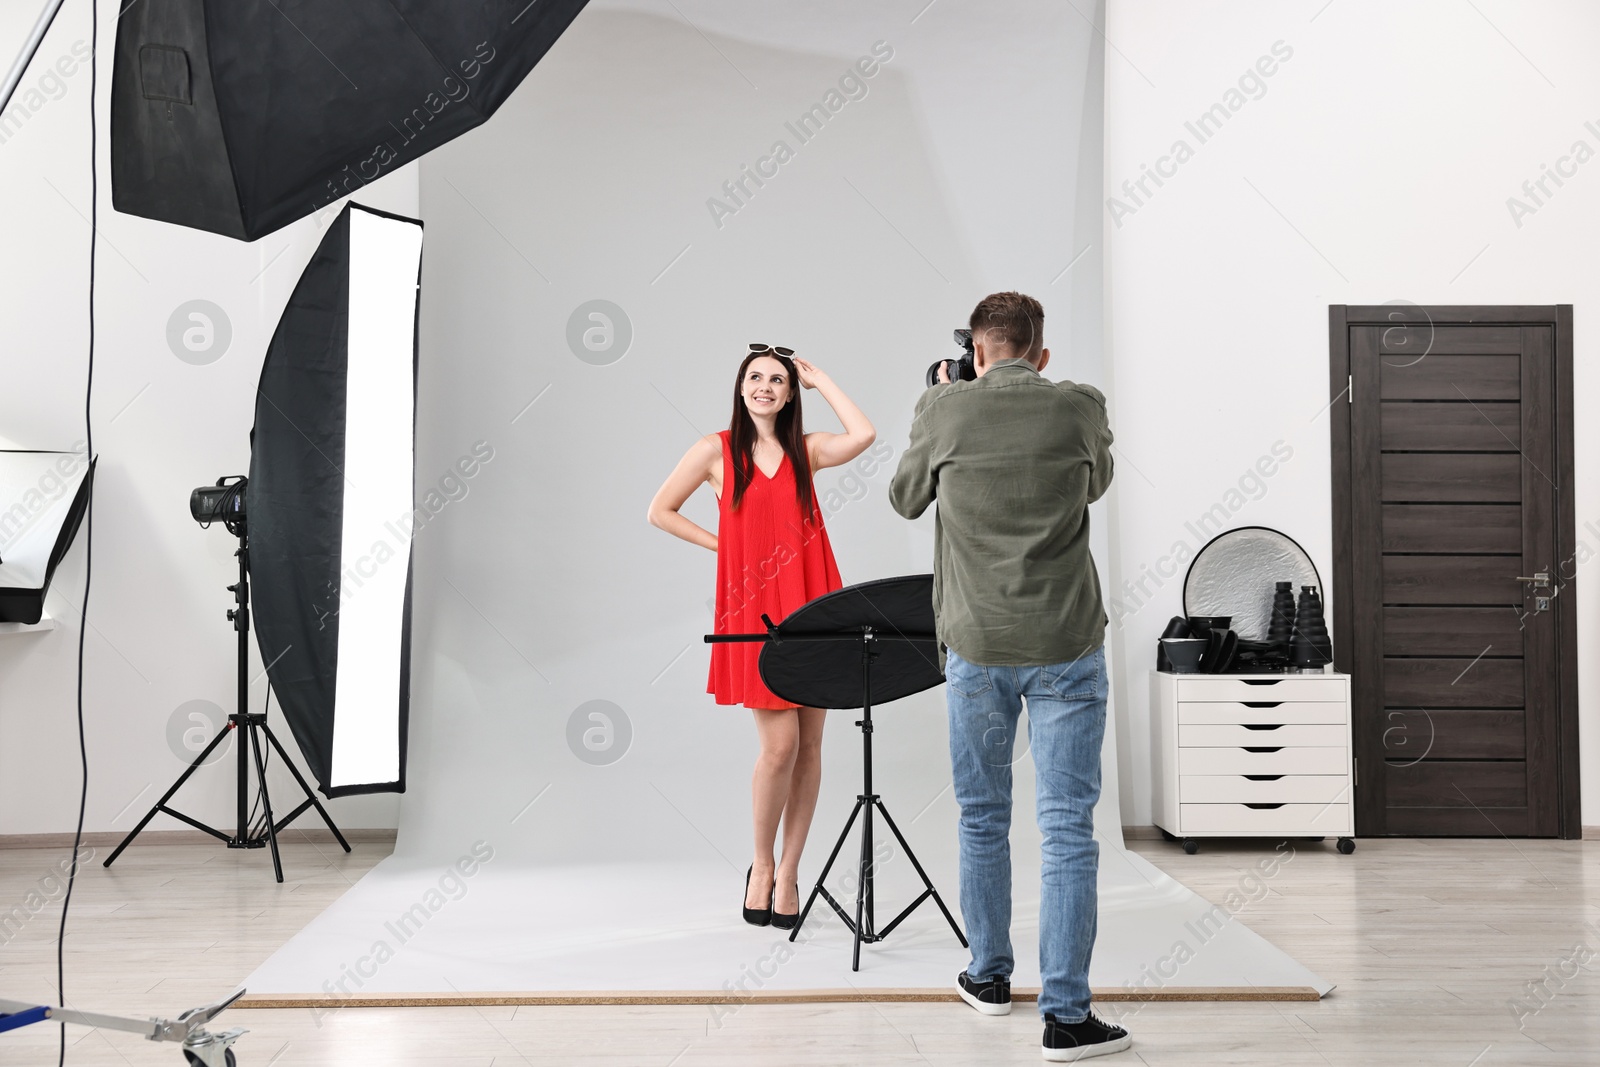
(289,763)
(863,883)
(266,802)
(870,857)
(912,856)
(184,777)
(826,867)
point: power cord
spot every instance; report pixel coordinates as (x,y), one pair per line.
(266,762)
(88,547)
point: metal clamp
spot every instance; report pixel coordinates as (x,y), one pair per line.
(200,1045)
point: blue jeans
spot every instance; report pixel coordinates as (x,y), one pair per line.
(1066,724)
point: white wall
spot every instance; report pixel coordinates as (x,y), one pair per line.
(1376,166)
(157,637)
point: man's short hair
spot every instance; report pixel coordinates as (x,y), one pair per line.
(1011,319)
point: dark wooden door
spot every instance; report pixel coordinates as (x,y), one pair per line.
(1451,579)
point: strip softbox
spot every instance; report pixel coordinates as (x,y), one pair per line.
(42,500)
(329,502)
(241,116)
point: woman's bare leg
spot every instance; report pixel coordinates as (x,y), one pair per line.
(779,734)
(804,782)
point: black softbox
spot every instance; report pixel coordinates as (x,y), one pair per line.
(329,504)
(241,116)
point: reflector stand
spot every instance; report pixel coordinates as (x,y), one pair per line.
(807,655)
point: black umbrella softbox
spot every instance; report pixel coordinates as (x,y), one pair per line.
(241,116)
(329,502)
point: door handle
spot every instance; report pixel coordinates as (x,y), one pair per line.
(1540,579)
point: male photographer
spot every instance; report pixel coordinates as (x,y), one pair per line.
(1015,460)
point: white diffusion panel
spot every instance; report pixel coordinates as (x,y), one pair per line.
(385,254)
(36,494)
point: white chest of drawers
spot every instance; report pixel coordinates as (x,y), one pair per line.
(1252,755)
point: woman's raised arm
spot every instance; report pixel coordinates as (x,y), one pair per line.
(833,449)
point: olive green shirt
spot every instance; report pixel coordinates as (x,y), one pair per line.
(1014,460)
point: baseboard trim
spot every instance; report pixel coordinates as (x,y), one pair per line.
(325,1002)
(113,838)
(1153,833)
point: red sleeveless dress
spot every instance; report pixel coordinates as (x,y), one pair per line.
(768,560)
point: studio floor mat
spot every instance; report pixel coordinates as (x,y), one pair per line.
(418,933)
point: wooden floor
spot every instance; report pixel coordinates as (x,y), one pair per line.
(1432,944)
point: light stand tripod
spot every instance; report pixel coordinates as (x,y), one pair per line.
(251,728)
(817,677)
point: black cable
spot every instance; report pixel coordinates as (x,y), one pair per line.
(88,546)
(232,508)
(266,761)
(229,506)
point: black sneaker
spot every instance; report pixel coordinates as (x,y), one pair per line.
(992,997)
(1070,1042)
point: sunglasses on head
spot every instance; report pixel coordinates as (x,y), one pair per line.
(769,348)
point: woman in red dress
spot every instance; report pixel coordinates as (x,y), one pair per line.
(773,556)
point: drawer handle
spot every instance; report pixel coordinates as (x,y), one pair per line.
(1261,703)
(1264,807)
(1261,681)
(1249,749)
(1263,777)
(1259,726)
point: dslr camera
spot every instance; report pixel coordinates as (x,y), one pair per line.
(962,368)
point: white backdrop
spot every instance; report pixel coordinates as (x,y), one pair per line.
(968,162)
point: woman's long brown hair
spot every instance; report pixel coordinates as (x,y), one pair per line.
(789,429)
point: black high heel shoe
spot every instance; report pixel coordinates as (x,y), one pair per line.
(756,916)
(782,921)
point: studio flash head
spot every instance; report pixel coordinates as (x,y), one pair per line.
(223,502)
